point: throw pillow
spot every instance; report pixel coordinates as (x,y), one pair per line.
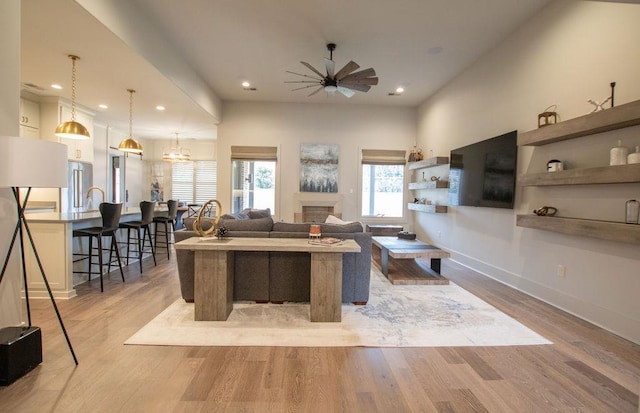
(331,219)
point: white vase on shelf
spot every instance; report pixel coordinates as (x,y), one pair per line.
(634,157)
(618,155)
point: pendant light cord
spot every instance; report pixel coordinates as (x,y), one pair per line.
(131,92)
(73,86)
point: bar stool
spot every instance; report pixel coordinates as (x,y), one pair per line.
(147,210)
(110,219)
(170,218)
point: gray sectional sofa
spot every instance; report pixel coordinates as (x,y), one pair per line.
(281,276)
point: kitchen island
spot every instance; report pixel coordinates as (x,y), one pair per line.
(53,235)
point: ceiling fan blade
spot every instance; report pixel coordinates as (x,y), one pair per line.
(360,75)
(364,81)
(330,66)
(359,88)
(316,91)
(304,87)
(313,69)
(303,81)
(347,92)
(300,74)
(348,68)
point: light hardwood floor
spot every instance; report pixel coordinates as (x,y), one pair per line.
(585,370)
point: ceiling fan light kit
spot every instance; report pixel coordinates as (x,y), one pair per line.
(345,81)
(72,129)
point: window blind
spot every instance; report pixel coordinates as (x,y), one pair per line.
(383,157)
(194,181)
(254,153)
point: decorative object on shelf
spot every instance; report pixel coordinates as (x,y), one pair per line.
(197,224)
(176,153)
(314,231)
(632,211)
(130,145)
(435,178)
(548,117)
(600,106)
(416,201)
(634,157)
(221,232)
(407,235)
(424,178)
(545,211)
(554,165)
(415,154)
(20,175)
(618,154)
(72,129)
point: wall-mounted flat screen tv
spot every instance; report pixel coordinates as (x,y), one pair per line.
(483,174)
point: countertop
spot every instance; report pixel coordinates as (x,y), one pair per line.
(66,217)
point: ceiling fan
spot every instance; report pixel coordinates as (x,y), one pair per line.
(345,81)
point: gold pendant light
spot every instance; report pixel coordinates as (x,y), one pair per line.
(72,129)
(176,153)
(130,145)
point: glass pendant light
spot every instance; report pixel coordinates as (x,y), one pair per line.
(130,145)
(72,129)
(176,153)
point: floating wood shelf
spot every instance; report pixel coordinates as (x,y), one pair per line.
(619,174)
(428,185)
(606,120)
(433,209)
(429,162)
(607,230)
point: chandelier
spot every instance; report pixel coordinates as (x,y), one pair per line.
(176,153)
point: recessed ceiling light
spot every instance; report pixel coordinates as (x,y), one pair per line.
(103,106)
(399,90)
(56,86)
(246,84)
(160,107)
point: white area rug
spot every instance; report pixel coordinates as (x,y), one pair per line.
(395,316)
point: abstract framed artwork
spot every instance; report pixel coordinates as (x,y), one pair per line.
(319,167)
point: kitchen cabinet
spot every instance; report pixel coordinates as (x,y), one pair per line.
(29,119)
(619,117)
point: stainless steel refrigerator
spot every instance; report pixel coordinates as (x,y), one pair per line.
(80,178)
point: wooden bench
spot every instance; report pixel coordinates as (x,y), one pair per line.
(397,260)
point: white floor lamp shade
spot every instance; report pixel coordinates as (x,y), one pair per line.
(33,163)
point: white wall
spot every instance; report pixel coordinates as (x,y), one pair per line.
(288,125)
(567,54)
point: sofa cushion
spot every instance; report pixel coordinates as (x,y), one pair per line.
(237,215)
(350,227)
(291,227)
(258,224)
(257,213)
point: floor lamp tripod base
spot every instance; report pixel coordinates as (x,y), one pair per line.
(21,347)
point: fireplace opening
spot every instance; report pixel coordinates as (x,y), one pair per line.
(315,213)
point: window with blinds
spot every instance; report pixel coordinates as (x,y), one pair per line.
(382,183)
(253,177)
(194,182)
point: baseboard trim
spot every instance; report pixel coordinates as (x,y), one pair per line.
(616,323)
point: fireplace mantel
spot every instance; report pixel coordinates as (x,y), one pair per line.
(316,199)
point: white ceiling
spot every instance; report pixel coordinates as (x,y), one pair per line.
(228,41)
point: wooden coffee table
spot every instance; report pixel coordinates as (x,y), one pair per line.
(400,251)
